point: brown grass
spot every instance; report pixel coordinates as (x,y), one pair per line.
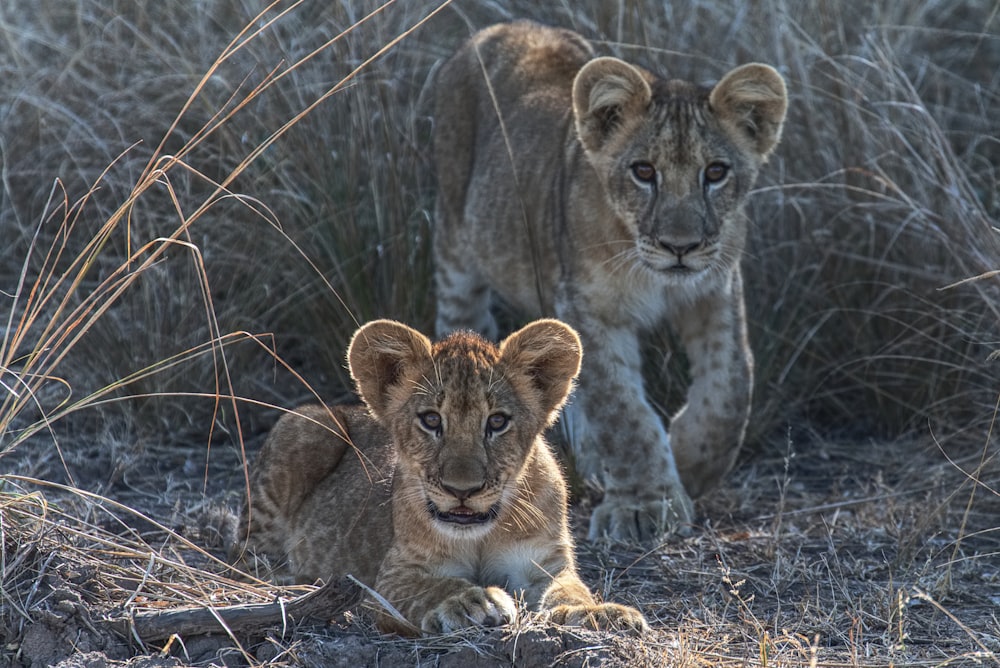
(201,200)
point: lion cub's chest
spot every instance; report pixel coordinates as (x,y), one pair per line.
(519,566)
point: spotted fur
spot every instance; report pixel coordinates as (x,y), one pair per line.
(594,191)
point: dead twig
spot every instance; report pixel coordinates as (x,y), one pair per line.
(241,620)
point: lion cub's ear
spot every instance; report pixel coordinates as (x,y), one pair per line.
(550,351)
(607,91)
(753,99)
(379,354)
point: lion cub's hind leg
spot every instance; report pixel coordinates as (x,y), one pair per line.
(302,449)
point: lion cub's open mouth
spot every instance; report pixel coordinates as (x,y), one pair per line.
(463,514)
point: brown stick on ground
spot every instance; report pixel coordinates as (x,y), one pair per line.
(241,620)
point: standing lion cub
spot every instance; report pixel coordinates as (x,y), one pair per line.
(440,492)
(593,191)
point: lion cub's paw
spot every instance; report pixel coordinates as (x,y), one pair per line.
(625,518)
(476,606)
(603,617)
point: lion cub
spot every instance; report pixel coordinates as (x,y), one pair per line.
(592,190)
(440,492)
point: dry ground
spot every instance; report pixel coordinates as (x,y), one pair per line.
(833,555)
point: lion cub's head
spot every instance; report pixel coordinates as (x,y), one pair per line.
(677,160)
(464,413)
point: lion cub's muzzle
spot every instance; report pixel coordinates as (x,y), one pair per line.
(461,496)
(677,256)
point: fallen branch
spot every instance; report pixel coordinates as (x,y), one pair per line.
(244,620)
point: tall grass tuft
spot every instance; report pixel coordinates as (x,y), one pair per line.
(137,254)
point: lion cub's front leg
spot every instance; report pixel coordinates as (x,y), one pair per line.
(443,604)
(618,436)
(446,604)
(708,432)
(569,602)
(472,606)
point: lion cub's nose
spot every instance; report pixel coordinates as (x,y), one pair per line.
(462,477)
(679,249)
(461,493)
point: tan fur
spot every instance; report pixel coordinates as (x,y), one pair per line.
(541,153)
(449,511)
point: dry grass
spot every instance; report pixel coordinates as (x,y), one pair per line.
(201,200)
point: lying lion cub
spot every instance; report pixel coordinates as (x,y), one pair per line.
(448,500)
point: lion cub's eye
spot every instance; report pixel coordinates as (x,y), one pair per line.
(430,421)
(644,172)
(496,423)
(715,172)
